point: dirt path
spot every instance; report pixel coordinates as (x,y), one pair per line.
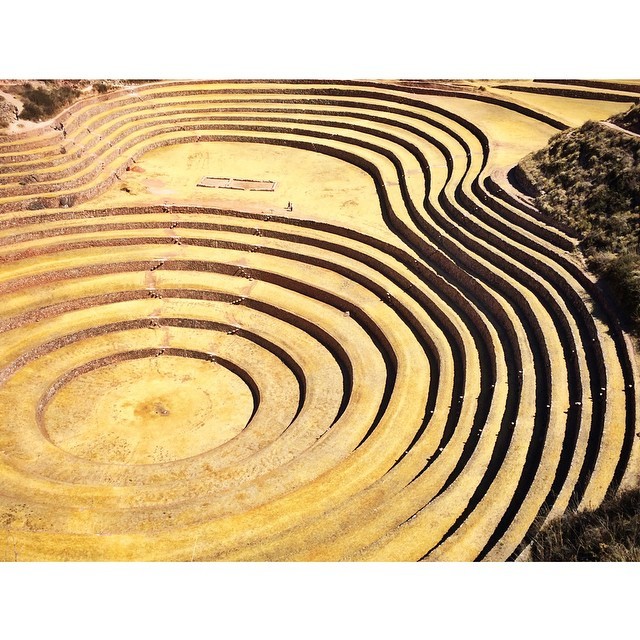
(615,127)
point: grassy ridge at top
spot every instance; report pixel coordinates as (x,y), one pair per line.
(589,179)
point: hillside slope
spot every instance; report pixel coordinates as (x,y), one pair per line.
(589,179)
(24,103)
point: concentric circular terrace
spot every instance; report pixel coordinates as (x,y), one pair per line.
(389,356)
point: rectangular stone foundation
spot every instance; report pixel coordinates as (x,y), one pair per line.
(236,183)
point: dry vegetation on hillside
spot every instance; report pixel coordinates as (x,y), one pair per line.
(589,179)
(44,99)
(610,533)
